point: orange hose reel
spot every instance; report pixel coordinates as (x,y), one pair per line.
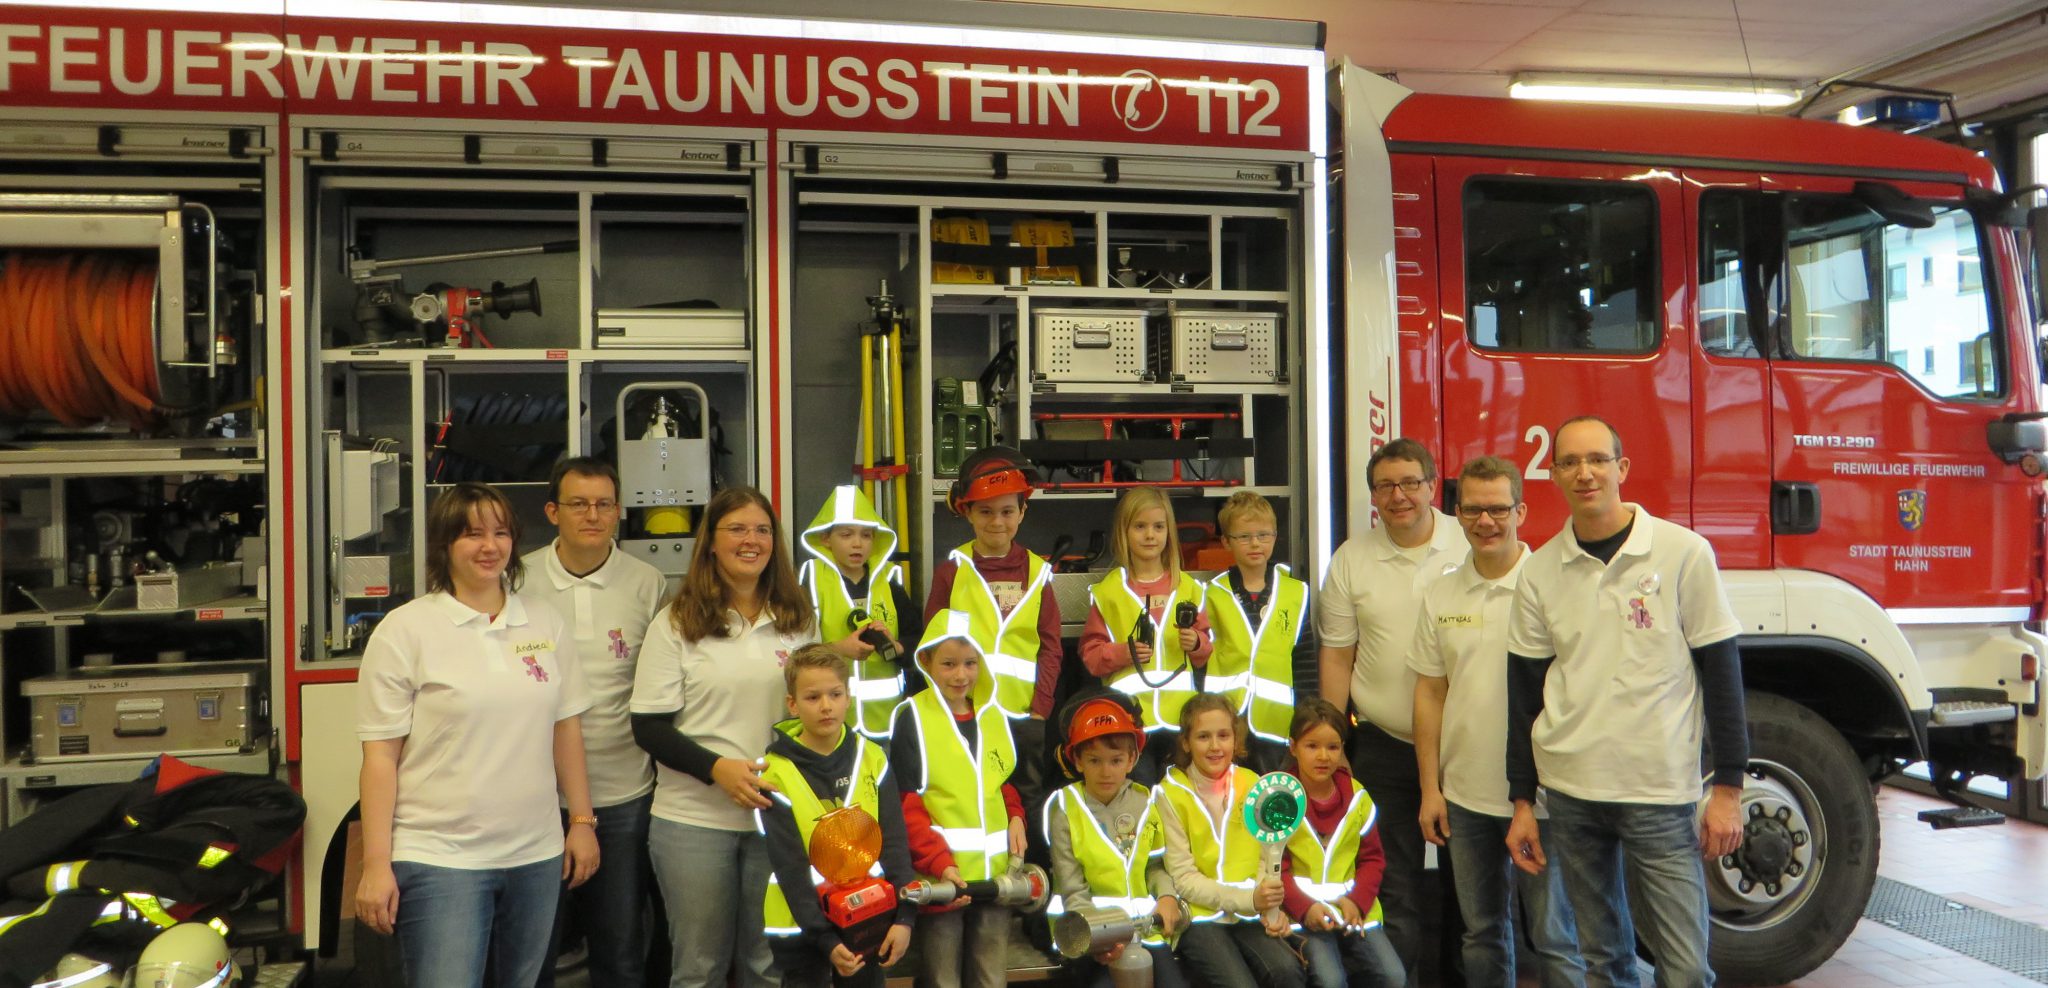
(77,336)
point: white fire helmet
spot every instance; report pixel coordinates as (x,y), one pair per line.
(80,971)
(188,955)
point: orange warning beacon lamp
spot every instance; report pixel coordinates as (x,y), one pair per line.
(845,846)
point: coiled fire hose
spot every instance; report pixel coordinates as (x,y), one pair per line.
(77,336)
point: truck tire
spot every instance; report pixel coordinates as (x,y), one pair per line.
(1791,895)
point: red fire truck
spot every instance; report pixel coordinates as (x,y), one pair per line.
(1815,341)
(1113,242)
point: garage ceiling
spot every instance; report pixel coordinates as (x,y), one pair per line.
(1986,51)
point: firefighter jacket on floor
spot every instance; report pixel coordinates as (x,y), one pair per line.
(114,864)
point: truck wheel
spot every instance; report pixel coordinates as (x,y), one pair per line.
(1788,898)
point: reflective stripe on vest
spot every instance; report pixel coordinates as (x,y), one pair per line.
(1224,851)
(1116,879)
(1255,667)
(877,686)
(963,787)
(1009,642)
(62,877)
(1172,676)
(805,806)
(1328,872)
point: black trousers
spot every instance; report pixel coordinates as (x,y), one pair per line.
(1385,766)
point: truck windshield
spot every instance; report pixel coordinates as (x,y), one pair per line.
(1834,281)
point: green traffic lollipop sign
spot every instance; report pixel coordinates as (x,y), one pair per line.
(1274,807)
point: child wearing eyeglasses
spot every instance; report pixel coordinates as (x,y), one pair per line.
(1265,651)
(1134,639)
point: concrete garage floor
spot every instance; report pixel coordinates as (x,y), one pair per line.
(2001,871)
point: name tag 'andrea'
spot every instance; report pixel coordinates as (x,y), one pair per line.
(528,648)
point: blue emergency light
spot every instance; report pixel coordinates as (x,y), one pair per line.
(1898,112)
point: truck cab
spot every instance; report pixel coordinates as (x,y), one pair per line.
(1813,340)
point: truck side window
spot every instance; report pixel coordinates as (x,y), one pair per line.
(1731,236)
(1560,267)
(1849,298)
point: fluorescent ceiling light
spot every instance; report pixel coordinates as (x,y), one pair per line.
(1657,89)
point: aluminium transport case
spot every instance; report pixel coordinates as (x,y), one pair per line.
(141,711)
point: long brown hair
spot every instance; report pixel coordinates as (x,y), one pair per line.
(1134,502)
(700,602)
(449,517)
(1202,703)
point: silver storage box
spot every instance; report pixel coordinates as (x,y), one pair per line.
(671,328)
(184,588)
(366,577)
(1088,345)
(201,708)
(1225,347)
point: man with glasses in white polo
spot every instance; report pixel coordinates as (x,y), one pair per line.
(1621,660)
(1460,660)
(1365,618)
(608,599)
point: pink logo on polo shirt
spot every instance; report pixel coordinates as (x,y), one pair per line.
(1637,613)
(618,643)
(533,669)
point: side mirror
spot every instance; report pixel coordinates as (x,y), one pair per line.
(2037,230)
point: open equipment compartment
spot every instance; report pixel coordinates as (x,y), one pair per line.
(1170,301)
(135,453)
(577,287)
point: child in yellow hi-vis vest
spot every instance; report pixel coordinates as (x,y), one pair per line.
(1265,652)
(1108,845)
(1214,860)
(964,821)
(856,587)
(1134,639)
(818,764)
(1334,861)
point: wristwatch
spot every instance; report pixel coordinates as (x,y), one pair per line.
(590,820)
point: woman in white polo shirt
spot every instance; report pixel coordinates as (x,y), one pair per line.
(706,696)
(468,705)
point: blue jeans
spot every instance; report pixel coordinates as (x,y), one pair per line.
(1366,960)
(1238,955)
(611,908)
(1651,850)
(713,882)
(451,920)
(1479,856)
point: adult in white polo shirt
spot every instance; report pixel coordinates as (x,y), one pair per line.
(1621,656)
(706,697)
(1365,616)
(467,705)
(608,598)
(1460,660)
